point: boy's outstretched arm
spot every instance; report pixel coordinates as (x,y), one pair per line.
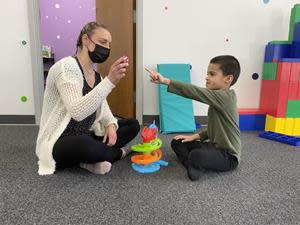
(215,98)
(210,97)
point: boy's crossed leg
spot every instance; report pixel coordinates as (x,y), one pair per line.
(200,156)
(183,149)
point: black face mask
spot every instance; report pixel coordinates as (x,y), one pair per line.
(100,53)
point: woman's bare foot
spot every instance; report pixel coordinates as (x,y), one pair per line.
(123,153)
(97,168)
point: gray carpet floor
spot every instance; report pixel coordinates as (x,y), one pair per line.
(265,189)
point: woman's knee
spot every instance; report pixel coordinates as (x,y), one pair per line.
(133,125)
(91,153)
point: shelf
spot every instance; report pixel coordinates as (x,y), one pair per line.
(48,60)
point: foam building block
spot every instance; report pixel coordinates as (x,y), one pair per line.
(290,140)
(274,93)
(297,32)
(252,122)
(290,60)
(294,19)
(176,112)
(280,94)
(251,119)
(280,42)
(293,109)
(269,71)
(295,50)
(296,130)
(298,91)
(273,98)
(287,126)
(251,111)
(294,81)
(274,52)
(275,124)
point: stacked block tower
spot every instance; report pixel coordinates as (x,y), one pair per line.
(280,90)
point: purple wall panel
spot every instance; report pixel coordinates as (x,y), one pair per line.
(61,22)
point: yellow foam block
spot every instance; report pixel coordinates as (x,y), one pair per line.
(270,123)
(296,130)
(275,124)
(289,126)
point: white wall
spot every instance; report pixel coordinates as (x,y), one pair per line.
(194,31)
(15,63)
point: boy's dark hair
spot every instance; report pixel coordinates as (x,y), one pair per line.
(229,66)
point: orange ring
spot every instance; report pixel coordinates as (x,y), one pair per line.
(147,158)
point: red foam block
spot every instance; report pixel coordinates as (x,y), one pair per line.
(274,97)
(250,111)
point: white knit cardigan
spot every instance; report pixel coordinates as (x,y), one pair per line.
(63,100)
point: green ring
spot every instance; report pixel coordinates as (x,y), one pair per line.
(147,147)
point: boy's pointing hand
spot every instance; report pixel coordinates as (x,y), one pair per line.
(157,78)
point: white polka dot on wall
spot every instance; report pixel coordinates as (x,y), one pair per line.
(47,17)
(55,18)
(57,6)
(80,7)
(58,36)
(69,21)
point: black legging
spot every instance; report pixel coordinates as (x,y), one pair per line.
(203,155)
(71,150)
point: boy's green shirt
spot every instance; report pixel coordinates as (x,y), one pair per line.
(223,129)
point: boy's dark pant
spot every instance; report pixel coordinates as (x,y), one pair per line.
(203,155)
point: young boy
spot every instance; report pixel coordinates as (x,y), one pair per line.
(219,147)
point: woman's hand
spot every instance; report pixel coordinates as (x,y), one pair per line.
(187,138)
(118,70)
(157,78)
(110,135)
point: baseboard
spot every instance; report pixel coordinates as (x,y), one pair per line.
(17,119)
(148,119)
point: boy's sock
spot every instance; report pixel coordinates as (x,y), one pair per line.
(97,168)
(193,173)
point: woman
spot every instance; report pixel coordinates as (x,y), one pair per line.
(77,126)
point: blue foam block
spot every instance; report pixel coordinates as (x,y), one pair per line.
(290,140)
(176,112)
(290,60)
(251,122)
(276,52)
(297,32)
(198,126)
(295,50)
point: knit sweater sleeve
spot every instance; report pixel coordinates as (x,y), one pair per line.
(108,118)
(70,90)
